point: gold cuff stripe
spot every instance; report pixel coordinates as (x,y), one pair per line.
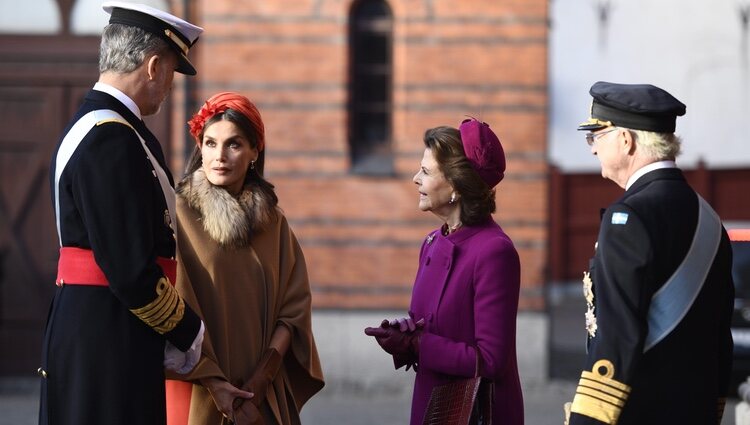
(604,380)
(602,396)
(166,311)
(163,295)
(161,305)
(163,312)
(593,385)
(595,408)
(173,320)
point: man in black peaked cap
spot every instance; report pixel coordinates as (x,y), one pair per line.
(659,289)
(116,321)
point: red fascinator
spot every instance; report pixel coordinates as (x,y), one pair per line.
(483,150)
(219,103)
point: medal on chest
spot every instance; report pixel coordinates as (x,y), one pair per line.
(588,293)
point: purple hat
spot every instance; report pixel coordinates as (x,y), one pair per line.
(483,150)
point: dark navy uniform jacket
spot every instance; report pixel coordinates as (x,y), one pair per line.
(103,363)
(684,378)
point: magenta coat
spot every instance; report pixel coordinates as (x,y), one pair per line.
(467,289)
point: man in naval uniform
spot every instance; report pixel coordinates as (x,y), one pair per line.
(116,320)
(659,289)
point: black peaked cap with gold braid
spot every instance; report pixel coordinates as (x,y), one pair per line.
(635,106)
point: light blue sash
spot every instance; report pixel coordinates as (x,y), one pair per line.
(671,302)
(74,137)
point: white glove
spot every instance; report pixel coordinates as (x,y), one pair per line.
(173,357)
(193,354)
(183,362)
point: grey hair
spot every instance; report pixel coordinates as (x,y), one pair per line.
(659,146)
(124,48)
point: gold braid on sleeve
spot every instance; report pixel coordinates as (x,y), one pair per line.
(165,312)
(599,396)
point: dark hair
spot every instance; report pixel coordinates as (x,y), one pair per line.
(477,199)
(253,176)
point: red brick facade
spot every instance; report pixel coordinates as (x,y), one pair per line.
(361,235)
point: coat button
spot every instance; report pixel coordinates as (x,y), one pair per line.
(42,373)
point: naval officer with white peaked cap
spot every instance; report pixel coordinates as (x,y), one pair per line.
(116,321)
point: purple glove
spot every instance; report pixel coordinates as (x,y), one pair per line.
(405,324)
(395,341)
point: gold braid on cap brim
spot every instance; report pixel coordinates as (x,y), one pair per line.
(165,312)
(599,396)
(595,122)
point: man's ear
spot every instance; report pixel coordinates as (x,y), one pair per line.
(152,67)
(627,141)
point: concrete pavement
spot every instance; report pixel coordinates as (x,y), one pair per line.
(362,388)
(19,401)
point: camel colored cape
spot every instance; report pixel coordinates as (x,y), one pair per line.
(242,293)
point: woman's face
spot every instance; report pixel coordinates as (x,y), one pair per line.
(434,190)
(226,155)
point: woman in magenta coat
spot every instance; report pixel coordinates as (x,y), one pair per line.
(465,296)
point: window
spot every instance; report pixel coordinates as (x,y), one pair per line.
(370,81)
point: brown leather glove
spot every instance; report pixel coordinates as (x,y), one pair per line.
(247,413)
(258,384)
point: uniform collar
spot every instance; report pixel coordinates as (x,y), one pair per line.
(650,167)
(122,97)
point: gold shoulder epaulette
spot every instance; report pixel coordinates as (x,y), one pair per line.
(109,120)
(599,396)
(166,311)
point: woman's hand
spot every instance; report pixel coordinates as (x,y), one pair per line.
(406,324)
(224,395)
(247,413)
(398,336)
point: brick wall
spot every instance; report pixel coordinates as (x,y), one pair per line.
(361,235)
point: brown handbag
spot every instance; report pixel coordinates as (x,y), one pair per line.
(462,402)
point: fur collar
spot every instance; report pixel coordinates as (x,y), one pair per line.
(228,220)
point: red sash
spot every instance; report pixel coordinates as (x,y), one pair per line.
(77,266)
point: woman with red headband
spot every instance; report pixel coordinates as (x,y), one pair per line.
(242,269)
